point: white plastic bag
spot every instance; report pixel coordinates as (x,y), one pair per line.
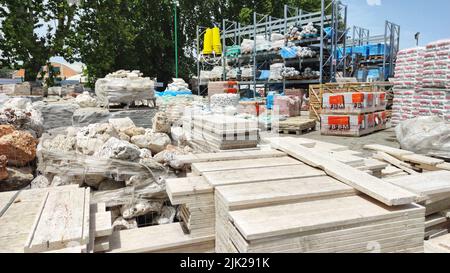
(425,135)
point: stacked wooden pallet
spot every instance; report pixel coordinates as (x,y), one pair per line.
(221,132)
(196,198)
(52,220)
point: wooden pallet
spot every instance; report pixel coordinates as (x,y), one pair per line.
(297,125)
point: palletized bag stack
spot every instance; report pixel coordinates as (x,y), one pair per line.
(434,96)
(408,78)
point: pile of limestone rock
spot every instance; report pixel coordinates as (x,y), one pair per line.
(20,127)
(124,165)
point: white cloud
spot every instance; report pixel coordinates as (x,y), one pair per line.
(374,2)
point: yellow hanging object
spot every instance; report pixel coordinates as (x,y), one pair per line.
(217,44)
(208,42)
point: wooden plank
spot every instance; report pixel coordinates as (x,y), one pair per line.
(153,239)
(258,175)
(69,250)
(394,161)
(389,150)
(385,192)
(425,185)
(421,159)
(222,156)
(61,223)
(199,168)
(434,220)
(103,225)
(180,188)
(295,218)
(282,191)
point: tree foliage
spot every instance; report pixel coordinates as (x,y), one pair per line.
(107,35)
(22,45)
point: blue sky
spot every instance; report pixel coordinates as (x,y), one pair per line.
(429,17)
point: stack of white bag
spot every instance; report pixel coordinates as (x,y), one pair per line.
(277,40)
(275,72)
(124,87)
(436,71)
(435,91)
(262,44)
(178,85)
(407,81)
(247,46)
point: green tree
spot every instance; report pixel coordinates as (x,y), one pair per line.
(20,43)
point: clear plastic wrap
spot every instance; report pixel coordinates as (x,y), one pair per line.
(425,135)
(124,87)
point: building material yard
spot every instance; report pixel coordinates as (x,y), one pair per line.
(287,135)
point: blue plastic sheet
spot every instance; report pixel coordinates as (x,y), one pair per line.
(173,93)
(288,52)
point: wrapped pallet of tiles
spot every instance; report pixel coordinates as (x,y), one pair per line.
(215,132)
(124,87)
(222,87)
(220,102)
(286,106)
(434,96)
(408,78)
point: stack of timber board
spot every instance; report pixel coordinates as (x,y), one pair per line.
(238,197)
(53,220)
(438,245)
(196,198)
(342,224)
(230,155)
(433,189)
(20,219)
(169,238)
(297,125)
(220,132)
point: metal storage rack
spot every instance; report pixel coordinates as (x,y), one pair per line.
(326,44)
(391,42)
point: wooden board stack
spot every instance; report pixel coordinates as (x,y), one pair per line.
(433,189)
(220,132)
(196,198)
(344,224)
(53,220)
(237,197)
(169,238)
